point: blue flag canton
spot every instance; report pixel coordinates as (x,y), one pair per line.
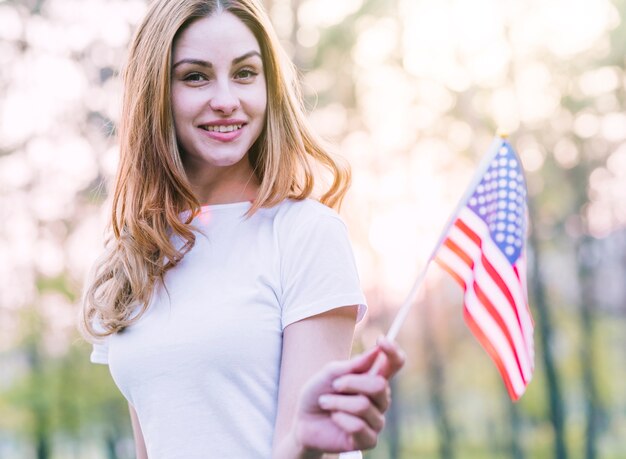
(500,201)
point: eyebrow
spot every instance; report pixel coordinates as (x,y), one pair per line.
(207,64)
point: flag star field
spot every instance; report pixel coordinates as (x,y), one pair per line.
(500,201)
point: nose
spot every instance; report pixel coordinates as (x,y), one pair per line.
(224,99)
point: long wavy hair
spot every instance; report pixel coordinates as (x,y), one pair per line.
(151,188)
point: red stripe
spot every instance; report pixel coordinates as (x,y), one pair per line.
(516,272)
(468,231)
(503,286)
(452,272)
(495,315)
(459,252)
(486,344)
(499,281)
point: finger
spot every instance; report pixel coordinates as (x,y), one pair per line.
(394,357)
(375,387)
(356,405)
(360,435)
(358,364)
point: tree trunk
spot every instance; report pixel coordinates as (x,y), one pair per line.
(41,429)
(544,324)
(584,270)
(515,449)
(587,348)
(393,422)
(111,446)
(436,382)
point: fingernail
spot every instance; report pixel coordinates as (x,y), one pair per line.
(338,384)
(324,401)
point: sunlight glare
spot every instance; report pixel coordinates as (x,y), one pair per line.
(393,235)
(594,82)
(531,154)
(573,26)
(15,172)
(586,124)
(566,153)
(505,109)
(386,98)
(537,96)
(11,26)
(376,43)
(49,261)
(613,127)
(85,243)
(600,220)
(330,121)
(326,13)
(616,162)
(428,43)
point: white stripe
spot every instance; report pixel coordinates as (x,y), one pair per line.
(455,263)
(493,292)
(473,221)
(463,240)
(522,269)
(495,336)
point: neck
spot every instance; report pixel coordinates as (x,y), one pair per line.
(223,185)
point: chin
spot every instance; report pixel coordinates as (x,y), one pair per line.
(225,162)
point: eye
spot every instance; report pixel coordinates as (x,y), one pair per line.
(194,77)
(246,74)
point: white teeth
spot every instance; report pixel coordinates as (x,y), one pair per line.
(229,128)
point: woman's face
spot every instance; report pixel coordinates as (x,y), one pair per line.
(218,91)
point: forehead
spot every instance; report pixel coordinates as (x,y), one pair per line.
(221,35)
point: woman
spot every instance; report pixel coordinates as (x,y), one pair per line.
(226,298)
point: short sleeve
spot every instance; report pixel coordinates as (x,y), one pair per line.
(100,353)
(100,349)
(318,271)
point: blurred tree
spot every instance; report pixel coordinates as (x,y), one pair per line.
(516,450)
(545,327)
(585,263)
(436,384)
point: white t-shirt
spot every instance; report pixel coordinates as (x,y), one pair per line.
(201,367)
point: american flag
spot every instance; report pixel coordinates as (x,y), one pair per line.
(484,251)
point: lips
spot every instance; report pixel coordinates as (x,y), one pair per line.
(223,130)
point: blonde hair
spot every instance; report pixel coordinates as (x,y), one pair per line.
(151,187)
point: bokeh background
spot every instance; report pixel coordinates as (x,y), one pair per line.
(411,92)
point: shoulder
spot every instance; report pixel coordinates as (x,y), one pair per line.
(298,212)
(309,224)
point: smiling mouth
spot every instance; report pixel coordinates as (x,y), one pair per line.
(228,128)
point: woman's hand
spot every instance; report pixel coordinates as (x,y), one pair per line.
(342,407)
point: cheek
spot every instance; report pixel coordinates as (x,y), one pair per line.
(182,105)
(261,102)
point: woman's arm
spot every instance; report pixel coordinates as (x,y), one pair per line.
(308,345)
(326,403)
(140,444)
